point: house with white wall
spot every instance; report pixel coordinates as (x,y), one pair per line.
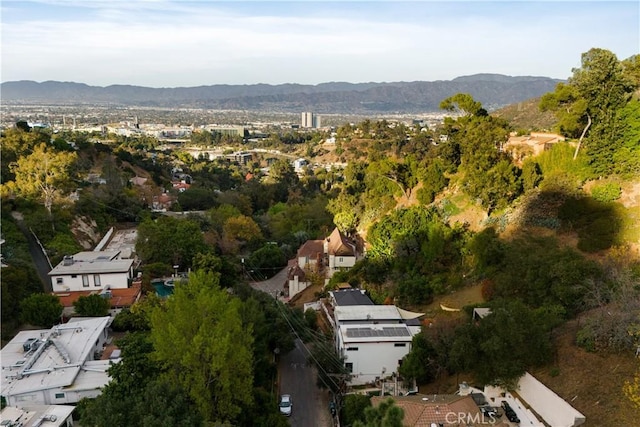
(296,280)
(37,416)
(340,252)
(372,339)
(56,366)
(92,270)
(310,255)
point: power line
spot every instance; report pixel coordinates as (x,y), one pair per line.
(309,352)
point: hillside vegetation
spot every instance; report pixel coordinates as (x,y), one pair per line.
(549,242)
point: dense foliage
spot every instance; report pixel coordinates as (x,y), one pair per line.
(400,190)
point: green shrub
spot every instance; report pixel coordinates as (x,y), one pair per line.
(606,192)
(586,340)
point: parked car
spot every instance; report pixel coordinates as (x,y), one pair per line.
(490,411)
(510,413)
(285,404)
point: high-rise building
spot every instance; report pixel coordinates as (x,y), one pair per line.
(310,120)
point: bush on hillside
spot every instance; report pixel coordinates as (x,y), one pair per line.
(607,192)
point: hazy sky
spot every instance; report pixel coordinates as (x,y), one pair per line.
(169,43)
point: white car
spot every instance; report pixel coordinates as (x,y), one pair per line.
(285,404)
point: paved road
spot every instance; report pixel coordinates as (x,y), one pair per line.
(40,260)
(297,378)
(274,285)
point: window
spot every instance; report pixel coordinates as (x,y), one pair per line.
(352,348)
(73,276)
(85,280)
(349,367)
(400,344)
(340,259)
(59,395)
(59,281)
(96,279)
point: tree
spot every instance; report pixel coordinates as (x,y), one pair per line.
(43,174)
(464,103)
(18,142)
(240,231)
(138,395)
(353,408)
(269,257)
(92,305)
(418,364)
(386,414)
(41,310)
(504,344)
(433,181)
(170,241)
(531,175)
(200,339)
(206,262)
(590,102)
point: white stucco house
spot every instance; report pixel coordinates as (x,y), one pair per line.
(340,252)
(92,270)
(37,416)
(57,365)
(310,255)
(373,339)
(296,280)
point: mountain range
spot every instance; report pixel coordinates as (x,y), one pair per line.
(492,90)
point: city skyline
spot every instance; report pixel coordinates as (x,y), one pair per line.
(159,43)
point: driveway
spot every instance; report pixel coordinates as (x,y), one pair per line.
(40,260)
(271,286)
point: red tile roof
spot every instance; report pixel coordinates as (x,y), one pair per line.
(119,297)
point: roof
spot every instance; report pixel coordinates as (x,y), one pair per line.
(534,139)
(92,262)
(424,411)
(90,256)
(367,313)
(295,270)
(119,297)
(375,333)
(36,415)
(55,362)
(339,245)
(350,297)
(311,248)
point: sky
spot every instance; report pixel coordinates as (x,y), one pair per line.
(171,43)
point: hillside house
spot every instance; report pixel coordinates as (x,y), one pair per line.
(373,339)
(296,280)
(310,256)
(118,298)
(441,410)
(336,252)
(37,416)
(92,270)
(340,252)
(520,147)
(57,365)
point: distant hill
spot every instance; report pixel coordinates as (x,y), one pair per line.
(526,115)
(493,90)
